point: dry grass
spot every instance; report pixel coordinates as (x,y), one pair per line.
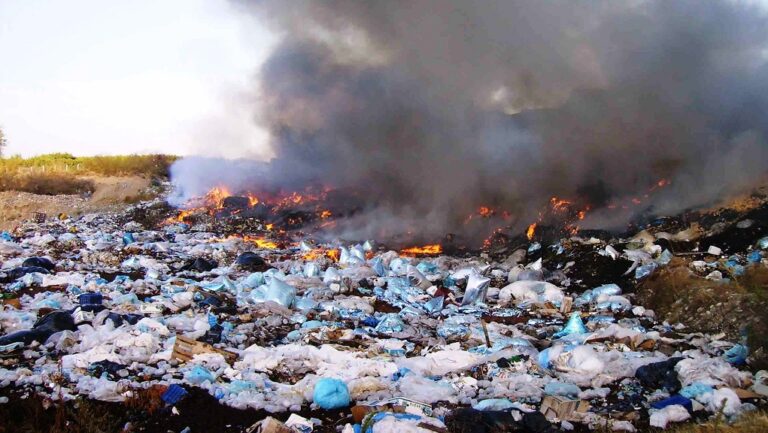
(678,295)
(147,400)
(755,281)
(46,183)
(124,165)
(144,195)
(60,173)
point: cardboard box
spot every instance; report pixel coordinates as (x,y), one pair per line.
(186,348)
(562,408)
(269,425)
(13,302)
(567,304)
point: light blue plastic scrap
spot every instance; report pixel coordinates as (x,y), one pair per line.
(199,374)
(562,389)
(645,270)
(574,326)
(391,323)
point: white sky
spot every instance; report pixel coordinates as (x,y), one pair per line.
(115,77)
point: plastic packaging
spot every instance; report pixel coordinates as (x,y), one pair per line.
(662,418)
(674,400)
(174,394)
(477,288)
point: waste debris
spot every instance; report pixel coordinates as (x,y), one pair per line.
(532,339)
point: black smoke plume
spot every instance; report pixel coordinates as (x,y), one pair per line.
(429,109)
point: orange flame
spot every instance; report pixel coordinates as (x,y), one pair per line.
(313,254)
(217,195)
(327,224)
(485,212)
(252,200)
(559,204)
(333,255)
(260,242)
(325,214)
(321,252)
(427,250)
(531,231)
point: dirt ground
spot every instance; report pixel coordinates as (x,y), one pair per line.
(110,193)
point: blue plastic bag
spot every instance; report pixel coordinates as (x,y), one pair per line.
(198,375)
(675,399)
(696,389)
(736,355)
(128,238)
(331,394)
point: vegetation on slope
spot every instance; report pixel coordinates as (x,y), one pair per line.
(62,173)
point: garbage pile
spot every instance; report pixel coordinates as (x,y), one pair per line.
(104,308)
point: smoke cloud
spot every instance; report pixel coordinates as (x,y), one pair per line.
(429,109)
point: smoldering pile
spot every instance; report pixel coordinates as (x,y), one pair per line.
(545,337)
(430,111)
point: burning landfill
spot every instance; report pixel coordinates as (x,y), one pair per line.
(482,230)
(229,301)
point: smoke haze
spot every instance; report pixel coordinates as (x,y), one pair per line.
(433,108)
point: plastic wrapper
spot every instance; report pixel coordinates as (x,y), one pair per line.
(494,404)
(762,243)
(275,290)
(390,324)
(606,290)
(331,275)
(455,327)
(645,270)
(434,305)
(675,413)
(614,303)
(562,389)
(311,269)
(377,264)
(574,326)
(477,288)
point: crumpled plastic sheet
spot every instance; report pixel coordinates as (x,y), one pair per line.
(574,326)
